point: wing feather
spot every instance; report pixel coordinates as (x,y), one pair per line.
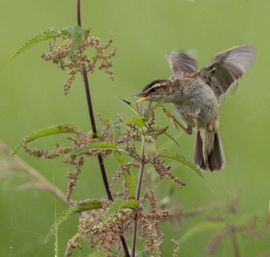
(227,68)
(182,62)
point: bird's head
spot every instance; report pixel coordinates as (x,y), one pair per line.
(156,91)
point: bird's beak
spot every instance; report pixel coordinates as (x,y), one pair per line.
(142,98)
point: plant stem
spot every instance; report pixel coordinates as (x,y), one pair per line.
(94,130)
(79,22)
(235,244)
(138,193)
(45,184)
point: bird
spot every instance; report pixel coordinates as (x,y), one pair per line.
(197,94)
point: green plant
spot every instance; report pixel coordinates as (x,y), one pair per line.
(110,225)
(68,49)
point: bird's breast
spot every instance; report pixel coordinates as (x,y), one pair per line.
(199,100)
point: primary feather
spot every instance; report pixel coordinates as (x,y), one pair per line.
(227,68)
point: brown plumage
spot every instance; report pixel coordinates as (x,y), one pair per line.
(196,96)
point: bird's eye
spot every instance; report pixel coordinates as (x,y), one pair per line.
(152,90)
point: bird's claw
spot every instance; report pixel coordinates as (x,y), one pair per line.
(189,130)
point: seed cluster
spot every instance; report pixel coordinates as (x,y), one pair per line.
(79,54)
(121,139)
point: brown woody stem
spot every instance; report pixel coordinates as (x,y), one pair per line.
(94,130)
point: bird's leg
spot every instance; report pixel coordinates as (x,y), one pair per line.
(187,128)
(193,118)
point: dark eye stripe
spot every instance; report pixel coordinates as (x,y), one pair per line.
(153,84)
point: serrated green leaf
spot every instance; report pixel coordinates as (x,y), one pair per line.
(41,37)
(96,146)
(119,204)
(75,32)
(181,159)
(68,213)
(49,131)
(202,227)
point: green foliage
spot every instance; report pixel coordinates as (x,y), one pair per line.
(136,121)
(118,205)
(131,107)
(172,139)
(88,205)
(247,173)
(130,179)
(182,160)
(96,254)
(76,33)
(72,210)
(43,36)
(95,146)
(117,127)
(119,157)
(144,254)
(56,241)
(45,132)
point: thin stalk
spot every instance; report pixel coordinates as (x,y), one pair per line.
(43,183)
(79,21)
(46,184)
(235,244)
(138,193)
(94,130)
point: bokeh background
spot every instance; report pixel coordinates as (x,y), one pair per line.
(144,32)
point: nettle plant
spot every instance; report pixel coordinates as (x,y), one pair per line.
(131,208)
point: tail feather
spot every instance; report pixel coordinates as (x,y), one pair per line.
(216,157)
(198,156)
(208,156)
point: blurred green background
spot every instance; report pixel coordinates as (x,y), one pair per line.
(144,32)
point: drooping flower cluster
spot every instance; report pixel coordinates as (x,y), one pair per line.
(77,51)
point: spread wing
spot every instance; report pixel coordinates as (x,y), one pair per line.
(227,68)
(182,62)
